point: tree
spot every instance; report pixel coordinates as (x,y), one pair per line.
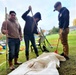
(54,30)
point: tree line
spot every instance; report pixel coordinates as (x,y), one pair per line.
(54,30)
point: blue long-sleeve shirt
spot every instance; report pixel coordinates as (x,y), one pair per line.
(29,24)
(63,18)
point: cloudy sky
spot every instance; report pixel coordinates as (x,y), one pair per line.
(49,18)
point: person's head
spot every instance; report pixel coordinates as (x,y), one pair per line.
(12,15)
(37,16)
(57,6)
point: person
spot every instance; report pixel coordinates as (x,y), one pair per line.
(12,29)
(30,29)
(63,18)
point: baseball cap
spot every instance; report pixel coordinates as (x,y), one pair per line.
(56,5)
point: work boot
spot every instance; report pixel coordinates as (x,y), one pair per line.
(16,61)
(66,57)
(62,54)
(11,65)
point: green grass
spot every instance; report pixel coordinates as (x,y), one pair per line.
(3,56)
(67,68)
(3,62)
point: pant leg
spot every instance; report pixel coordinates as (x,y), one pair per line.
(17,47)
(26,39)
(32,39)
(11,45)
(64,41)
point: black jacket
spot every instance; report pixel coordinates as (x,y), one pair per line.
(29,24)
(63,18)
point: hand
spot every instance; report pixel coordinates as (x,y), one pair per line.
(20,38)
(30,8)
(5,31)
(39,33)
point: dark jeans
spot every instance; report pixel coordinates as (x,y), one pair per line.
(14,45)
(31,38)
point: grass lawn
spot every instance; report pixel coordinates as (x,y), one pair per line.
(67,68)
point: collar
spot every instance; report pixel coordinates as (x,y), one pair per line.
(11,20)
(62,9)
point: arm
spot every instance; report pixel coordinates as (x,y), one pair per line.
(3,28)
(24,16)
(66,19)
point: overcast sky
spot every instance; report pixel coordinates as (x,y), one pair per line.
(49,18)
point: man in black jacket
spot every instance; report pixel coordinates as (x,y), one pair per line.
(30,29)
(63,18)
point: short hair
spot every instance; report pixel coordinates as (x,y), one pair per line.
(37,15)
(12,12)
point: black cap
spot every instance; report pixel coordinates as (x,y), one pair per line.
(56,5)
(37,15)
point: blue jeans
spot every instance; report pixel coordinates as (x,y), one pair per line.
(14,45)
(31,38)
